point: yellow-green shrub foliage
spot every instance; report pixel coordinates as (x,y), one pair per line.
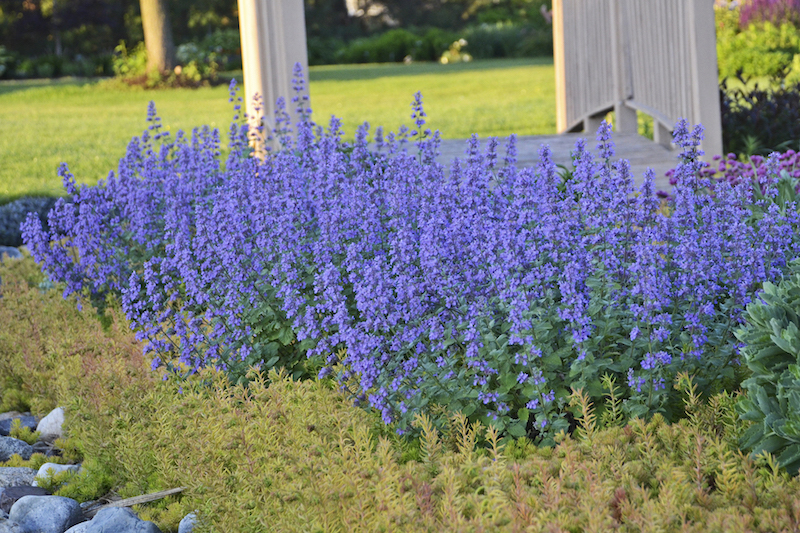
(45,342)
(36,461)
(285,456)
(52,480)
(24,434)
(296,456)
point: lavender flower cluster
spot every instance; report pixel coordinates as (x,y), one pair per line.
(730,168)
(477,286)
(774,11)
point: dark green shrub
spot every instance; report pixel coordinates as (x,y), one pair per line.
(489,41)
(226,45)
(220,50)
(49,66)
(323,51)
(7,61)
(759,120)
(392,46)
(771,350)
(389,47)
(433,44)
(25,69)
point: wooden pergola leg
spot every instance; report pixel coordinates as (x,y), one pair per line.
(625,120)
(273,35)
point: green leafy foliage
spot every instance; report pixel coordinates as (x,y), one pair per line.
(52,481)
(771,351)
(6,60)
(129,63)
(392,46)
(485,41)
(198,67)
(758,120)
(36,460)
(24,434)
(759,50)
(275,344)
(219,50)
(282,455)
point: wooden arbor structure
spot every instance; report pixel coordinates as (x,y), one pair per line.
(658,58)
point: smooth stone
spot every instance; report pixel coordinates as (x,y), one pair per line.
(46,514)
(11,414)
(187,523)
(10,446)
(79,528)
(16,476)
(10,495)
(25,421)
(10,252)
(119,520)
(50,425)
(56,468)
(9,526)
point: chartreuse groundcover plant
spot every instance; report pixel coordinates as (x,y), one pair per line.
(284,455)
(477,287)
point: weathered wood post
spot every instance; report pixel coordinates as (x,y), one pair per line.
(626,55)
(273,35)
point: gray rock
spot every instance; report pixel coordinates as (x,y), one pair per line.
(9,252)
(9,526)
(43,472)
(119,520)
(187,523)
(13,476)
(25,421)
(11,414)
(10,495)
(46,514)
(50,425)
(14,213)
(79,528)
(9,446)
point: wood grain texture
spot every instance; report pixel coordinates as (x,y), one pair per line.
(656,57)
(136,500)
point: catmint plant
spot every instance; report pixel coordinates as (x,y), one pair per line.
(476,286)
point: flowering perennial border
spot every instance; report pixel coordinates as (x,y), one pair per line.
(479,286)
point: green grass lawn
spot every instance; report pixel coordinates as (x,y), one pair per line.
(88,125)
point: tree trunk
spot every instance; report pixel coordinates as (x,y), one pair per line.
(157,35)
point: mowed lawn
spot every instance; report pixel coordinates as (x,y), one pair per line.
(88,125)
